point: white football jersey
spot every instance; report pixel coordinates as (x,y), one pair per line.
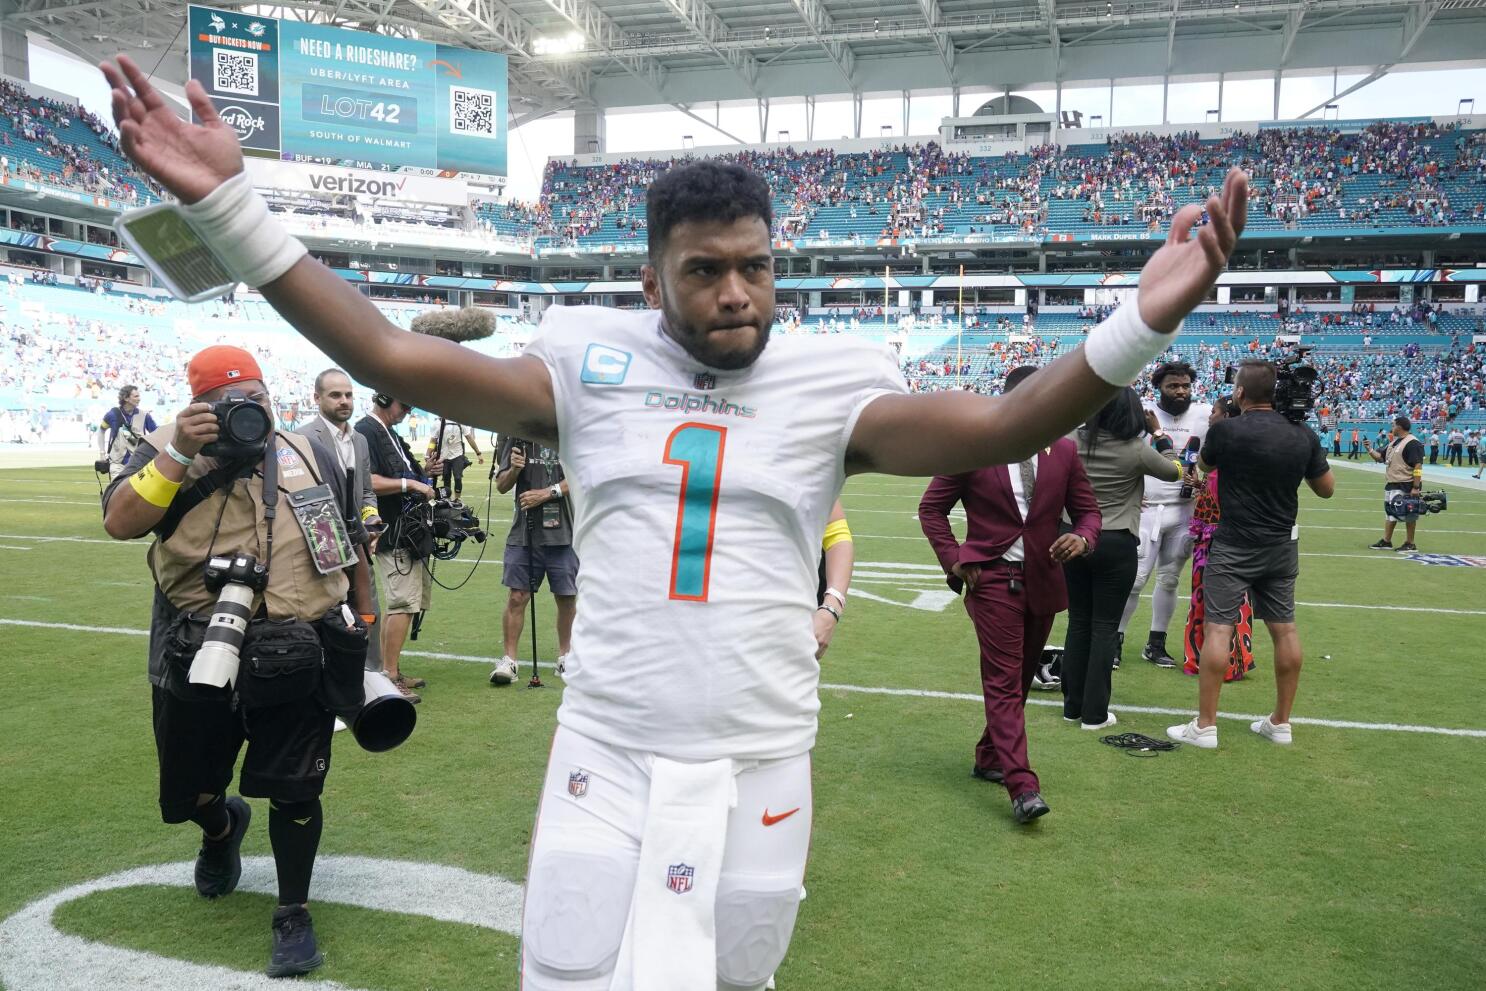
(1181,429)
(700,497)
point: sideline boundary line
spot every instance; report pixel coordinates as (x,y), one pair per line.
(900,692)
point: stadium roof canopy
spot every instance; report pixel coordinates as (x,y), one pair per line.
(599,54)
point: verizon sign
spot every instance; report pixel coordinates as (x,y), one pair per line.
(328,179)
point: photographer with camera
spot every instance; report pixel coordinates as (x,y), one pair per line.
(539,545)
(1403,476)
(251,639)
(448,447)
(403,488)
(1264,456)
(122,429)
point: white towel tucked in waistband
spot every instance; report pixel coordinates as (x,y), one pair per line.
(670,940)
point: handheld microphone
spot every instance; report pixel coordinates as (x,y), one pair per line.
(1189,460)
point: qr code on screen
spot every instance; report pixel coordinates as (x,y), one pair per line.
(472,111)
(235,72)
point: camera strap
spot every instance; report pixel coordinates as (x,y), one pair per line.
(270,500)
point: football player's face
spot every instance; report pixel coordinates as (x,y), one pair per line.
(715,285)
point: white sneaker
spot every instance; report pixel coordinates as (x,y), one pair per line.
(1191,733)
(1108,722)
(1273,732)
(505,672)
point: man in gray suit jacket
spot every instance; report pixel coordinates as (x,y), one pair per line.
(332,428)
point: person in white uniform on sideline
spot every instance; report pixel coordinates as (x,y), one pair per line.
(702,460)
(1166,510)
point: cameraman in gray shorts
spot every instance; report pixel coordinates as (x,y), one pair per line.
(539,546)
(1264,457)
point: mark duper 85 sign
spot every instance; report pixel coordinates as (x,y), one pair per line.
(315,93)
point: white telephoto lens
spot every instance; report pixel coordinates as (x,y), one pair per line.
(216,662)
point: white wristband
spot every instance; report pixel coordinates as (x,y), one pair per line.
(834,593)
(177,456)
(1117,350)
(235,223)
(404,484)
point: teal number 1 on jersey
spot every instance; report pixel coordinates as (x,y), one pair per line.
(696,448)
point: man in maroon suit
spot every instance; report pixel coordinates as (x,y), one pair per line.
(1010,567)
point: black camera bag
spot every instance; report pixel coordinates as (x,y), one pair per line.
(178,647)
(281,662)
(345,661)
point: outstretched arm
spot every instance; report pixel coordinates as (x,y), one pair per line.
(193,160)
(951,432)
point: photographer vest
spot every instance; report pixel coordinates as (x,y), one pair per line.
(1396,470)
(296,589)
(126,437)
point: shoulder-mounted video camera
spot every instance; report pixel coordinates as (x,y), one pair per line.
(438,528)
(243,429)
(1294,384)
(1416,505)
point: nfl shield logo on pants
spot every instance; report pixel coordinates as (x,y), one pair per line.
(678,878)
(578,784)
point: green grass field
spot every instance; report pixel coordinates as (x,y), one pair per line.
(1352,860)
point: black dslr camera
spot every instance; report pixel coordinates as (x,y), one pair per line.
(1294,384)
(243,429)
(1416,505)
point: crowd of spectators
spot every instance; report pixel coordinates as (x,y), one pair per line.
(44,124)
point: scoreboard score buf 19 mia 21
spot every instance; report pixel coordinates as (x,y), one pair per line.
(313,93)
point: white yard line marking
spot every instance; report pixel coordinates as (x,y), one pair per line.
(56,502)
(37,956)
(13,547)
(1163,711)
(907,692)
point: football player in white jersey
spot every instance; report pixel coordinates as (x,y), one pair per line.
(1166,510)
(703,460)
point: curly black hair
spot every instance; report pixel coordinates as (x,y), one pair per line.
(704,190)
(1171,368)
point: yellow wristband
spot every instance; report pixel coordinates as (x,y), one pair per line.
(367,512)
(836,532)
(153,487)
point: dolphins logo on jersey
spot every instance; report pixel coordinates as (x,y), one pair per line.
(603,365)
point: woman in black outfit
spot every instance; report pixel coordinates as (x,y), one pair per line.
(1117,458)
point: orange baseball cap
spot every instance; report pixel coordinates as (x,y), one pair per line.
(219,365)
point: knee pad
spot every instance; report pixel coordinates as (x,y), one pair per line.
(753,932)
(576,910)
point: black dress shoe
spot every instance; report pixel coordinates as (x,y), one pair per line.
(994,777)
(1028,806)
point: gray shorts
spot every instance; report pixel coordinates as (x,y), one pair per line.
(558,564)
(1266,574)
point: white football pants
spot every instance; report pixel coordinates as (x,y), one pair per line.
(586,852)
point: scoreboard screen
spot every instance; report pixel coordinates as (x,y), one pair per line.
(303,92)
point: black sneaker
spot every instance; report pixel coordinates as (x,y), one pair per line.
(1407,547)
(1156,654)
(219,864)
(992,775)
(1382,545)
(294,949)
(1119,652)
(1028,806)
